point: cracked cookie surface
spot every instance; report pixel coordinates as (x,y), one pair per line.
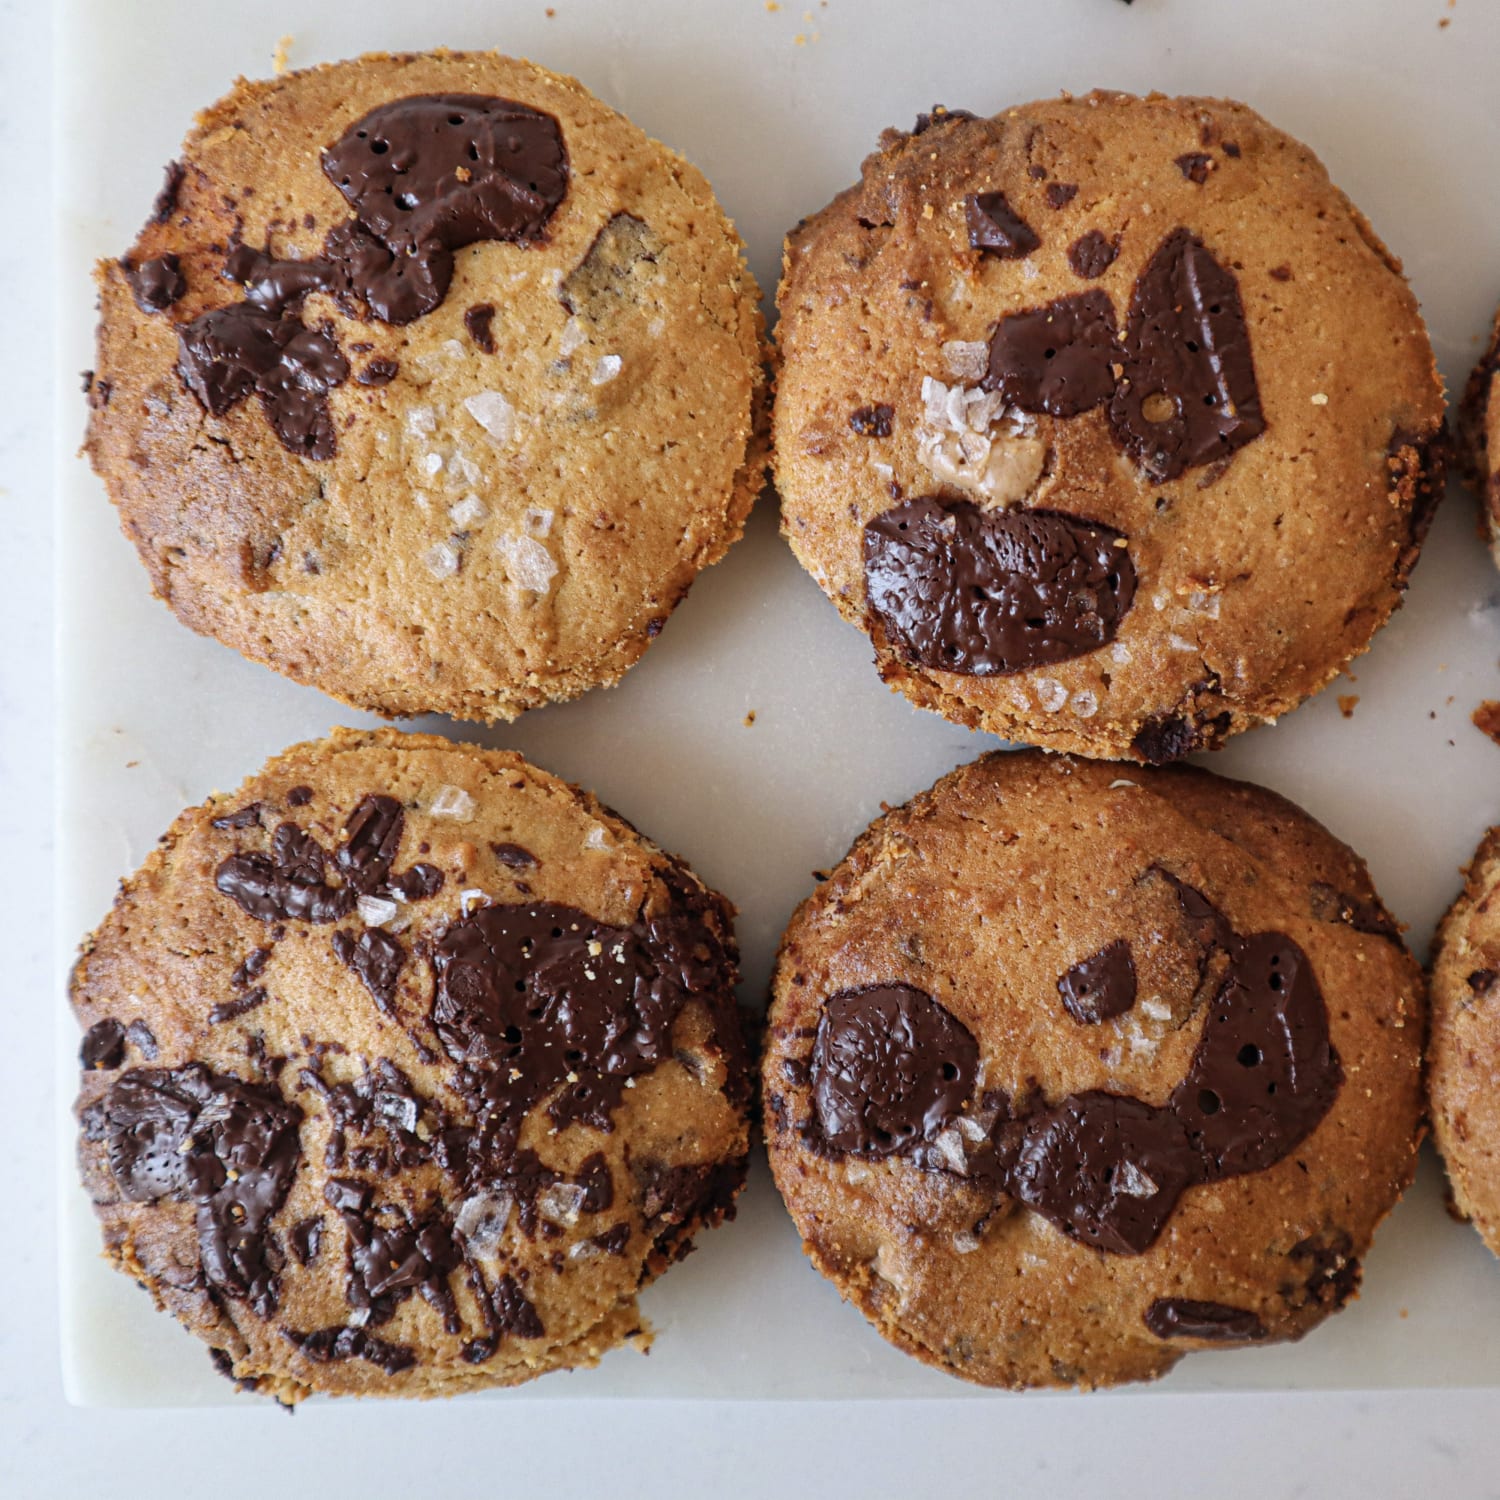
(405,1067)
(431,382)
(1149,319)
(1070,1072)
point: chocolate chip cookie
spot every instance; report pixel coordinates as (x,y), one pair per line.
(1478,436)
(1110,420)
(405,1067)
(1463,1047)
(429,381)
(1069,1073)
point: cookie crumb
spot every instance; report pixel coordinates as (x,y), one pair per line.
(749,718)
(1487,718)
(1347,702)
(278,57)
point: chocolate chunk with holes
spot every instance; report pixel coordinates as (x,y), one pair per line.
(1058,359)
(960,589)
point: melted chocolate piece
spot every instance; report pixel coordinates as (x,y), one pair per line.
(376,957)
(378,372)
(996,229)
(372,838)
(1188,395)
(527,994)
(890,1068)
(1184,1318)
(514,856)
(1059,359)
(285,884)
(960,589)
(1334,1274)
(514,1314)
(1195,166)
(140,1036)
(165,204)
(326,1345)
(1101,987)
(1061,194)
(940,114)
(247,816)
(1482,981)
(391,1256)
(307,1239)
(299,796)
(251,967)
(232,1010)
(872,421)
(1092,254)
(156,283)
(478,320)
(430,174)
(103,1045)
(613,1241)
(1106,1168)
(598,1186)
(208,1138)
(1163,738)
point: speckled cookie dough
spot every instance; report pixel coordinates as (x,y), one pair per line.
(430,381)
(1463,1048)
(1069,1072)
(1110,420)
(405,1067)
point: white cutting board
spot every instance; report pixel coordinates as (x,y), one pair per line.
(778,106)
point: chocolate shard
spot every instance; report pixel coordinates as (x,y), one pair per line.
(960,589)
(156,283)
(996,229)
(1188,395)
(1214,1322)
(1058,359)
(1100,987)
(1092,254)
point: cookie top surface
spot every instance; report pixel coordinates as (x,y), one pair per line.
(405,1066)
(1109,419)
(1464,1042)
(430,381)
(1068,1073)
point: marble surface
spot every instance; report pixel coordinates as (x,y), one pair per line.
(1315,1444)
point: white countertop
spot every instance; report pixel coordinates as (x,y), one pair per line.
(1394,1444)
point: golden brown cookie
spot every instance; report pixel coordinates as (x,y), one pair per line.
(405,1067)
(1069,1073)
(1477,435)
(1110,420)
(431,382)
(1463,1047)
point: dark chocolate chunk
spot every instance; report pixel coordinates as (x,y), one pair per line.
(1184,1318)
(196,1135)
(478,320)
(376,957)
(996,229)
(872,421)
(960,589)
(103,1045)
(156,283)
(288,883)
(299,796)
(514,856)
(307,1239)
(1100,987)
(166,199)
(250,967)
(372,838)
(940,114)
(890,1068)
(1195,166)
(598,1186)
(378,372)
(232,1010)
(602,280)
(243,817)
(328,1344)
(613,1241)
(514,1312)
(1417,465)
(1061,194)
(1092,254)
(1059,359)
(1163,738)
(1188,395)
(527,994)
(1482,981)
(430,174)
(1333,1274)
(1331,905)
